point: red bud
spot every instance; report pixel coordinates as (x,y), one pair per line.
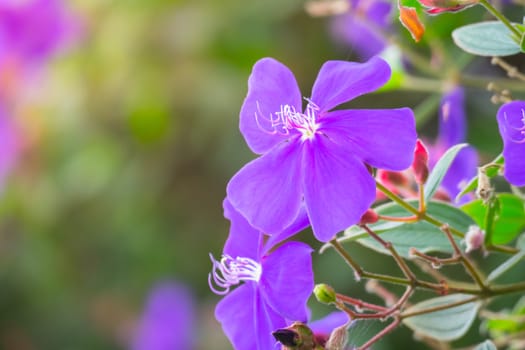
(420,164)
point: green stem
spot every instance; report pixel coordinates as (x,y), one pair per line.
(501,17)
(360,273)
(413,210)
(508,289)
(397,199)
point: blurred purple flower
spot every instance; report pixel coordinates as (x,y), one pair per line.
(316,158)
(362,24)
(168,319)
(511,122)
(323,327)
(452,131)
(277,283)
(31,30)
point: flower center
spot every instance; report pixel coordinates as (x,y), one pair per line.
(288,118)
(231,271)
(515,133)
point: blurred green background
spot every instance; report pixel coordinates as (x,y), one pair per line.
(132,137)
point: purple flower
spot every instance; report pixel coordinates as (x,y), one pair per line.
(276,283)
(361,26)
(511,122)
(323,327)
(316,157)
(31,30)
(168,319)
(452,131)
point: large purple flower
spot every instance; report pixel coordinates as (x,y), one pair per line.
(276,283)
(316,157)
(511,122)
(362,24)
(168,320)
(452,131)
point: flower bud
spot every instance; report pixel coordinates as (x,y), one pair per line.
(369,217)
(474,238)
(420,163)
(484,190)
(298,336)
(324,293)
(435,7)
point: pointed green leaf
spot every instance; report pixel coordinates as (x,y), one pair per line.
(509,222)
(440,170)
(509,263)
(486,39)
(445,325)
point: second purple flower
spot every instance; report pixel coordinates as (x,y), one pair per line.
(316,155)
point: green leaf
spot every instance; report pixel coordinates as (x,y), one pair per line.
(490,170)
(509,222)
(509,263)
(421,235)
(486,39)
(522,43)
(445,325)
(486,345)
(440,170)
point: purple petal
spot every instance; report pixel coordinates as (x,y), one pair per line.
(243,240)
(34,29)
(328,323)
(511,122)
(338,188)
(359,28)
(266,191)
(341,81)
(462,169)
(247,321)
(452,126)
(300,223)
(271,86)
(168,319)
(383,138)
(287,280)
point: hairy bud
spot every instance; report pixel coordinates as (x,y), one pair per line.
(474,238)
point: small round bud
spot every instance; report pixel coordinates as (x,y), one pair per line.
(474,238)
(369,217)
(324,293)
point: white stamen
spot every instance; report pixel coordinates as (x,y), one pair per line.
(288,118)
(231,271)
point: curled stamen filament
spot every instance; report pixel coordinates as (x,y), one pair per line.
(509,129)
(288,118)
(231,271)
